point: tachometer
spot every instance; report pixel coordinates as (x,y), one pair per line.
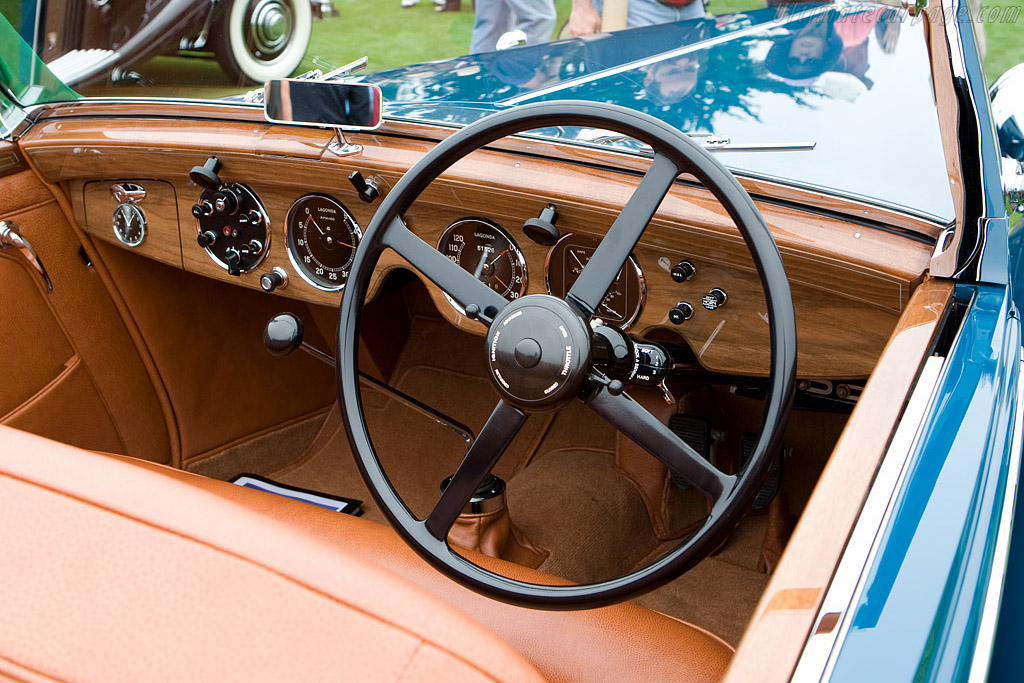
(322,239)
(625,298)
(489,253)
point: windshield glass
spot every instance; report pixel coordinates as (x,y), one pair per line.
(815,94)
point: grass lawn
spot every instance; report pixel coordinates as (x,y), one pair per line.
(1005,37)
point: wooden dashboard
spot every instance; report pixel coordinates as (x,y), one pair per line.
(849,282)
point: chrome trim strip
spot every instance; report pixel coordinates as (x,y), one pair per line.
(946,261)
(1000,554)
(848,583)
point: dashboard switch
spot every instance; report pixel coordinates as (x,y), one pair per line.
(368,188)
(275,279)
(203,208)
(716,298)
(682,312)
(542,229)
(206,175)
(206,239)
(225,202)
(233,259)
(682,271)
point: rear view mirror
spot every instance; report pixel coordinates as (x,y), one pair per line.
(351,106)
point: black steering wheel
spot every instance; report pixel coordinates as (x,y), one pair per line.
(540,352)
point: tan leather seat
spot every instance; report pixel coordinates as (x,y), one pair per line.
(113,568)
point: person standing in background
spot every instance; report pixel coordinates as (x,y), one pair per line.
(535,18)
(585,18)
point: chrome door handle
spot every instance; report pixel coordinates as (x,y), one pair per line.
(11,239)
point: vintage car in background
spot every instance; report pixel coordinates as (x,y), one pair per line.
(685,353)
(82,41)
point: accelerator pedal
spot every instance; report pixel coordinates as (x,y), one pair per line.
(696,432)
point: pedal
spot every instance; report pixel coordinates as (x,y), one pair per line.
(773,484)
(696,432)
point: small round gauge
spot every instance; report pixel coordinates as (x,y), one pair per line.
(322,237)
(489,253)
(129,224)
(625,297)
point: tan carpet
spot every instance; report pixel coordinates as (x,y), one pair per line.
(568,499)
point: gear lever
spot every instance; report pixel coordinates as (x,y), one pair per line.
(283,335)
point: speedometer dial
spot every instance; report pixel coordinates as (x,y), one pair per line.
(322,239)
(625,298)
(489,253)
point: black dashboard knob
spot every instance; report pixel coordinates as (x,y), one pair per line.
(275,279)
(682,271)
(225,202)
(206,239)
(542,229)
(682,312)
(203,208)
(283,334)
(206,175)
(716,298)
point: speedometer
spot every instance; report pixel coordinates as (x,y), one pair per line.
(625,297)
(322,239)
(489,253)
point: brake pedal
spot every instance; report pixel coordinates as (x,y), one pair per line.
(773,483)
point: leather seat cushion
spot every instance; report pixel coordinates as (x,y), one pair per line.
(105,556)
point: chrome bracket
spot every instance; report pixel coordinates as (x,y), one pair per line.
(11,239)
(341,146)
(127,192)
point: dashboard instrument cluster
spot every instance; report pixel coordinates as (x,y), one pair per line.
(292,224)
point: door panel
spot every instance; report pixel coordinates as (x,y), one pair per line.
(83,418)
(31,327)
(70,368)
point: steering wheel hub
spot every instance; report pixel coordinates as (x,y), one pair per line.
(538,352)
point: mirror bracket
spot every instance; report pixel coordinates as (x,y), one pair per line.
(341,146)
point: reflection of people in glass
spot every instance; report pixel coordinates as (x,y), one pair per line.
(836,45)
(585,18)
(535,18)
(670,81)
(806,53)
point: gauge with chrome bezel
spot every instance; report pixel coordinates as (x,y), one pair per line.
(624,300)
(129,224)
(322,236)
(485,250)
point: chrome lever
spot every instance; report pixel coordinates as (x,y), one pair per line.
(11,239)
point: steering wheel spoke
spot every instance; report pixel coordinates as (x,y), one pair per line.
(461,286)
(637,423)
(602,269)
(501,427)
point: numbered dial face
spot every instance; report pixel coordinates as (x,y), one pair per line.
(489,253)
(130,224)
(625,298)
(322,241)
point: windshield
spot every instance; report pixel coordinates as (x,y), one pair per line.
(830,97)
